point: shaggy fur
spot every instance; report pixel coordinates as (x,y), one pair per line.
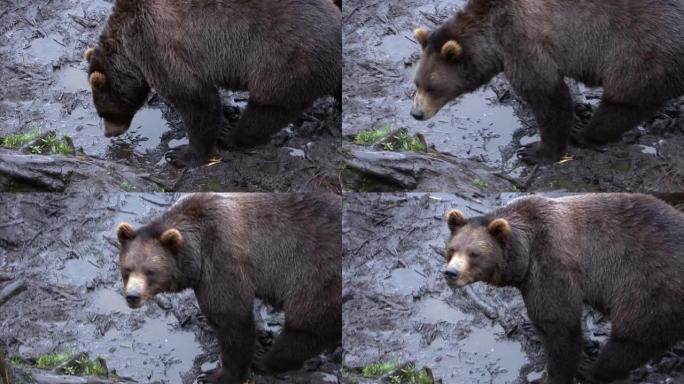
(622,254)
(633,49)
(281,248)
(285,53)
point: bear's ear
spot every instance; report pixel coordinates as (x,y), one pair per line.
(500,229)
(421,35)
(125,232)
(89,54)
(455,220)
(172,238)
(452,50)
(97,80)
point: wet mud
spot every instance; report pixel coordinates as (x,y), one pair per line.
(43,85)
(487,127)
(396,305)
(63,248)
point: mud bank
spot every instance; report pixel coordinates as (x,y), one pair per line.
(485,129)
(43,86)
(65,250)
(397,306)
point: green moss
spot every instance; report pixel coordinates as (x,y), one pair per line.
(478,183)
(376,370)
(84,366)
(48,145)
(127,187)
(403,142)
(16,360)
(51,360)
(18,139)
(411,375)
(370,137)
(52,145)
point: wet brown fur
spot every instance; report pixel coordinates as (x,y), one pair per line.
(282,248)
(622,254)
(634,50)
(286,54)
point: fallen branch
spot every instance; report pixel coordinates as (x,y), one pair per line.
(12,289)
(58,173)
(50,378)
(431,171)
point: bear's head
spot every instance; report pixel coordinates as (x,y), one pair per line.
(475,251)
(119,90)
(445,71)
(148,262)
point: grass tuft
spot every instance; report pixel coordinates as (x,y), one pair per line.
(403,142)
(411,375)
(52,359)
(370,137)
(52,145)
(18,139)
(376,370)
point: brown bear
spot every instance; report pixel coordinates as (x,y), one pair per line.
(622,254)
(284,249)
(633,49)
(286,54)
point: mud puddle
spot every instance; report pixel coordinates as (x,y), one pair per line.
(65,248)
(487,127)
(43,86)
(397,307)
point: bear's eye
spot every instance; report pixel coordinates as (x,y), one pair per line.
(127,271)
(149,273)
(474,255)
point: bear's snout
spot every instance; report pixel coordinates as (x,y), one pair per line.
(133,299)
(417,114)
(451,274)
(113,129)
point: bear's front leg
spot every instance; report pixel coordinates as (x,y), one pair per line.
(552,109)
(555,307)
(202,116)
(235,334)
(562,348)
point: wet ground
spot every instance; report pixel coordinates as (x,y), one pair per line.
(398,307)
(43,85)
(486,127)
(64,248)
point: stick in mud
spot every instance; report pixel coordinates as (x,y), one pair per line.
(11,290)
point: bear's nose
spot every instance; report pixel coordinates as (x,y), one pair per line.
(133,299)
(451,274)
(418,115)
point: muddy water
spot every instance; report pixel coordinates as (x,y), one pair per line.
(147,344)
(475,125)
